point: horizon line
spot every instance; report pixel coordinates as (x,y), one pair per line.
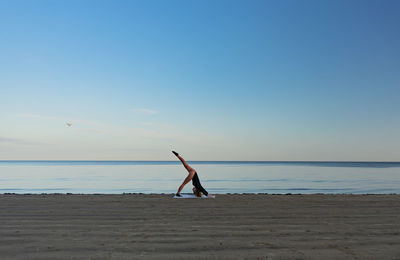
(41,160)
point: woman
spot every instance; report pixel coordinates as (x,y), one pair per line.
(198,190)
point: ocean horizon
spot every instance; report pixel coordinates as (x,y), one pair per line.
(218,177)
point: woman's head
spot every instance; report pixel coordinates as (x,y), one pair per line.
(197,192)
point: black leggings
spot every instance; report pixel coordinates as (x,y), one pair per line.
(196,183)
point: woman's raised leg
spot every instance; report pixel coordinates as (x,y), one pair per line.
(188,168)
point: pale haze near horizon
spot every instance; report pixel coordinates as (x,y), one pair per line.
(213,80)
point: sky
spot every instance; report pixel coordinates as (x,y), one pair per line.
(213,80)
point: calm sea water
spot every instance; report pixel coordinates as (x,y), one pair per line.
(217,177)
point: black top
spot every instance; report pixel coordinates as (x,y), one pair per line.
(196,183)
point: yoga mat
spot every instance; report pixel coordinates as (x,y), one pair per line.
(192,196)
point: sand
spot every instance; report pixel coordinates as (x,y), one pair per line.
(135,226)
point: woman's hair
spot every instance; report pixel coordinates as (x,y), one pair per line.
(197,192)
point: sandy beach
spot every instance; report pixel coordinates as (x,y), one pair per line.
(135,226)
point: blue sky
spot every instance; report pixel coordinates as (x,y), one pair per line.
(215,80)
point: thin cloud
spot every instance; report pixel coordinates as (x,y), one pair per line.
(146,111)
(159,132)
(6,140)
(64,120)
(76,124)
(157,125)
(9,140)
(36,116)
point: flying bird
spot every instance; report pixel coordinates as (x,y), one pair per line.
(69,124)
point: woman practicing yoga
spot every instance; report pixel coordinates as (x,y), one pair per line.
(198,190)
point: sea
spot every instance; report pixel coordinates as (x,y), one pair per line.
(217,177)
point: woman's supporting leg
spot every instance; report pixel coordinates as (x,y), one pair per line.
(185,181)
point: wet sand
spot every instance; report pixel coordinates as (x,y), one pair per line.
(137,226)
